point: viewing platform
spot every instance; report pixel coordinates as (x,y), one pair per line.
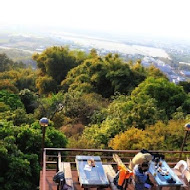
(63,159)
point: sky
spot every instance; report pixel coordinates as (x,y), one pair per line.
(158,17)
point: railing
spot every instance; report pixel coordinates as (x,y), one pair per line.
(50,156)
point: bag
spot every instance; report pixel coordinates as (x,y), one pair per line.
(171,180)
(125,182)
(59,176)
(116,178)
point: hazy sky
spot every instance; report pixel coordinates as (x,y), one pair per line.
(158,17)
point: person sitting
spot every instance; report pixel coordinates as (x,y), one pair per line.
(139,159)
(141,176)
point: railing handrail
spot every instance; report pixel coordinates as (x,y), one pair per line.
(45,162)
(114,151)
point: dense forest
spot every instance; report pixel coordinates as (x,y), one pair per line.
(92,101)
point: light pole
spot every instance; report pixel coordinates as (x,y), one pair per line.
(43,123)
(187,129)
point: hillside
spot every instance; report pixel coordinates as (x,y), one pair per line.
(91,101)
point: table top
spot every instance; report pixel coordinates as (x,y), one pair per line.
(162,180)
(91,176)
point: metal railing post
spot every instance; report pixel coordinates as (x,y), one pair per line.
(59,161)
(183,144)
(44,170)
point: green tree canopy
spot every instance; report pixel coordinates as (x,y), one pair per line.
(29,99)
(152,71)
(122,114)
(153,100)
(5,63)
(160,136)
(104,76)
(168,96)
(185,85)
(20,149)
(46,85)
(18,170)
(10,99)
(55,62)
(19,79)
(80,106)
(49,106)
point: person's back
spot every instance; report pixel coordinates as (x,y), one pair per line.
(140,176)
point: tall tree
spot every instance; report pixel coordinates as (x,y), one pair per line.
(104,76)
(20,154)
(5,63)
(167,95)
(57,61)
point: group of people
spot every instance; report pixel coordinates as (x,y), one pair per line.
(138,167)
(139,170)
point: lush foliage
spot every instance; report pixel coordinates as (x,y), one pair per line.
(55,62)
(159,136)
(28,98)
(168,96)
(105,76)
(19,79)
(96,101)
(7,64)
(20,153)
(154,100)
(10,99)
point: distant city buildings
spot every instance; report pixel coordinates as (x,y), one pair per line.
(185,73)
(173,76)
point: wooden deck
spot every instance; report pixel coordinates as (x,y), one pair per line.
(68,155)
(50,185)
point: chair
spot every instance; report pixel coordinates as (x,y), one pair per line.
(180,168)
(182,171)
(187,173)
